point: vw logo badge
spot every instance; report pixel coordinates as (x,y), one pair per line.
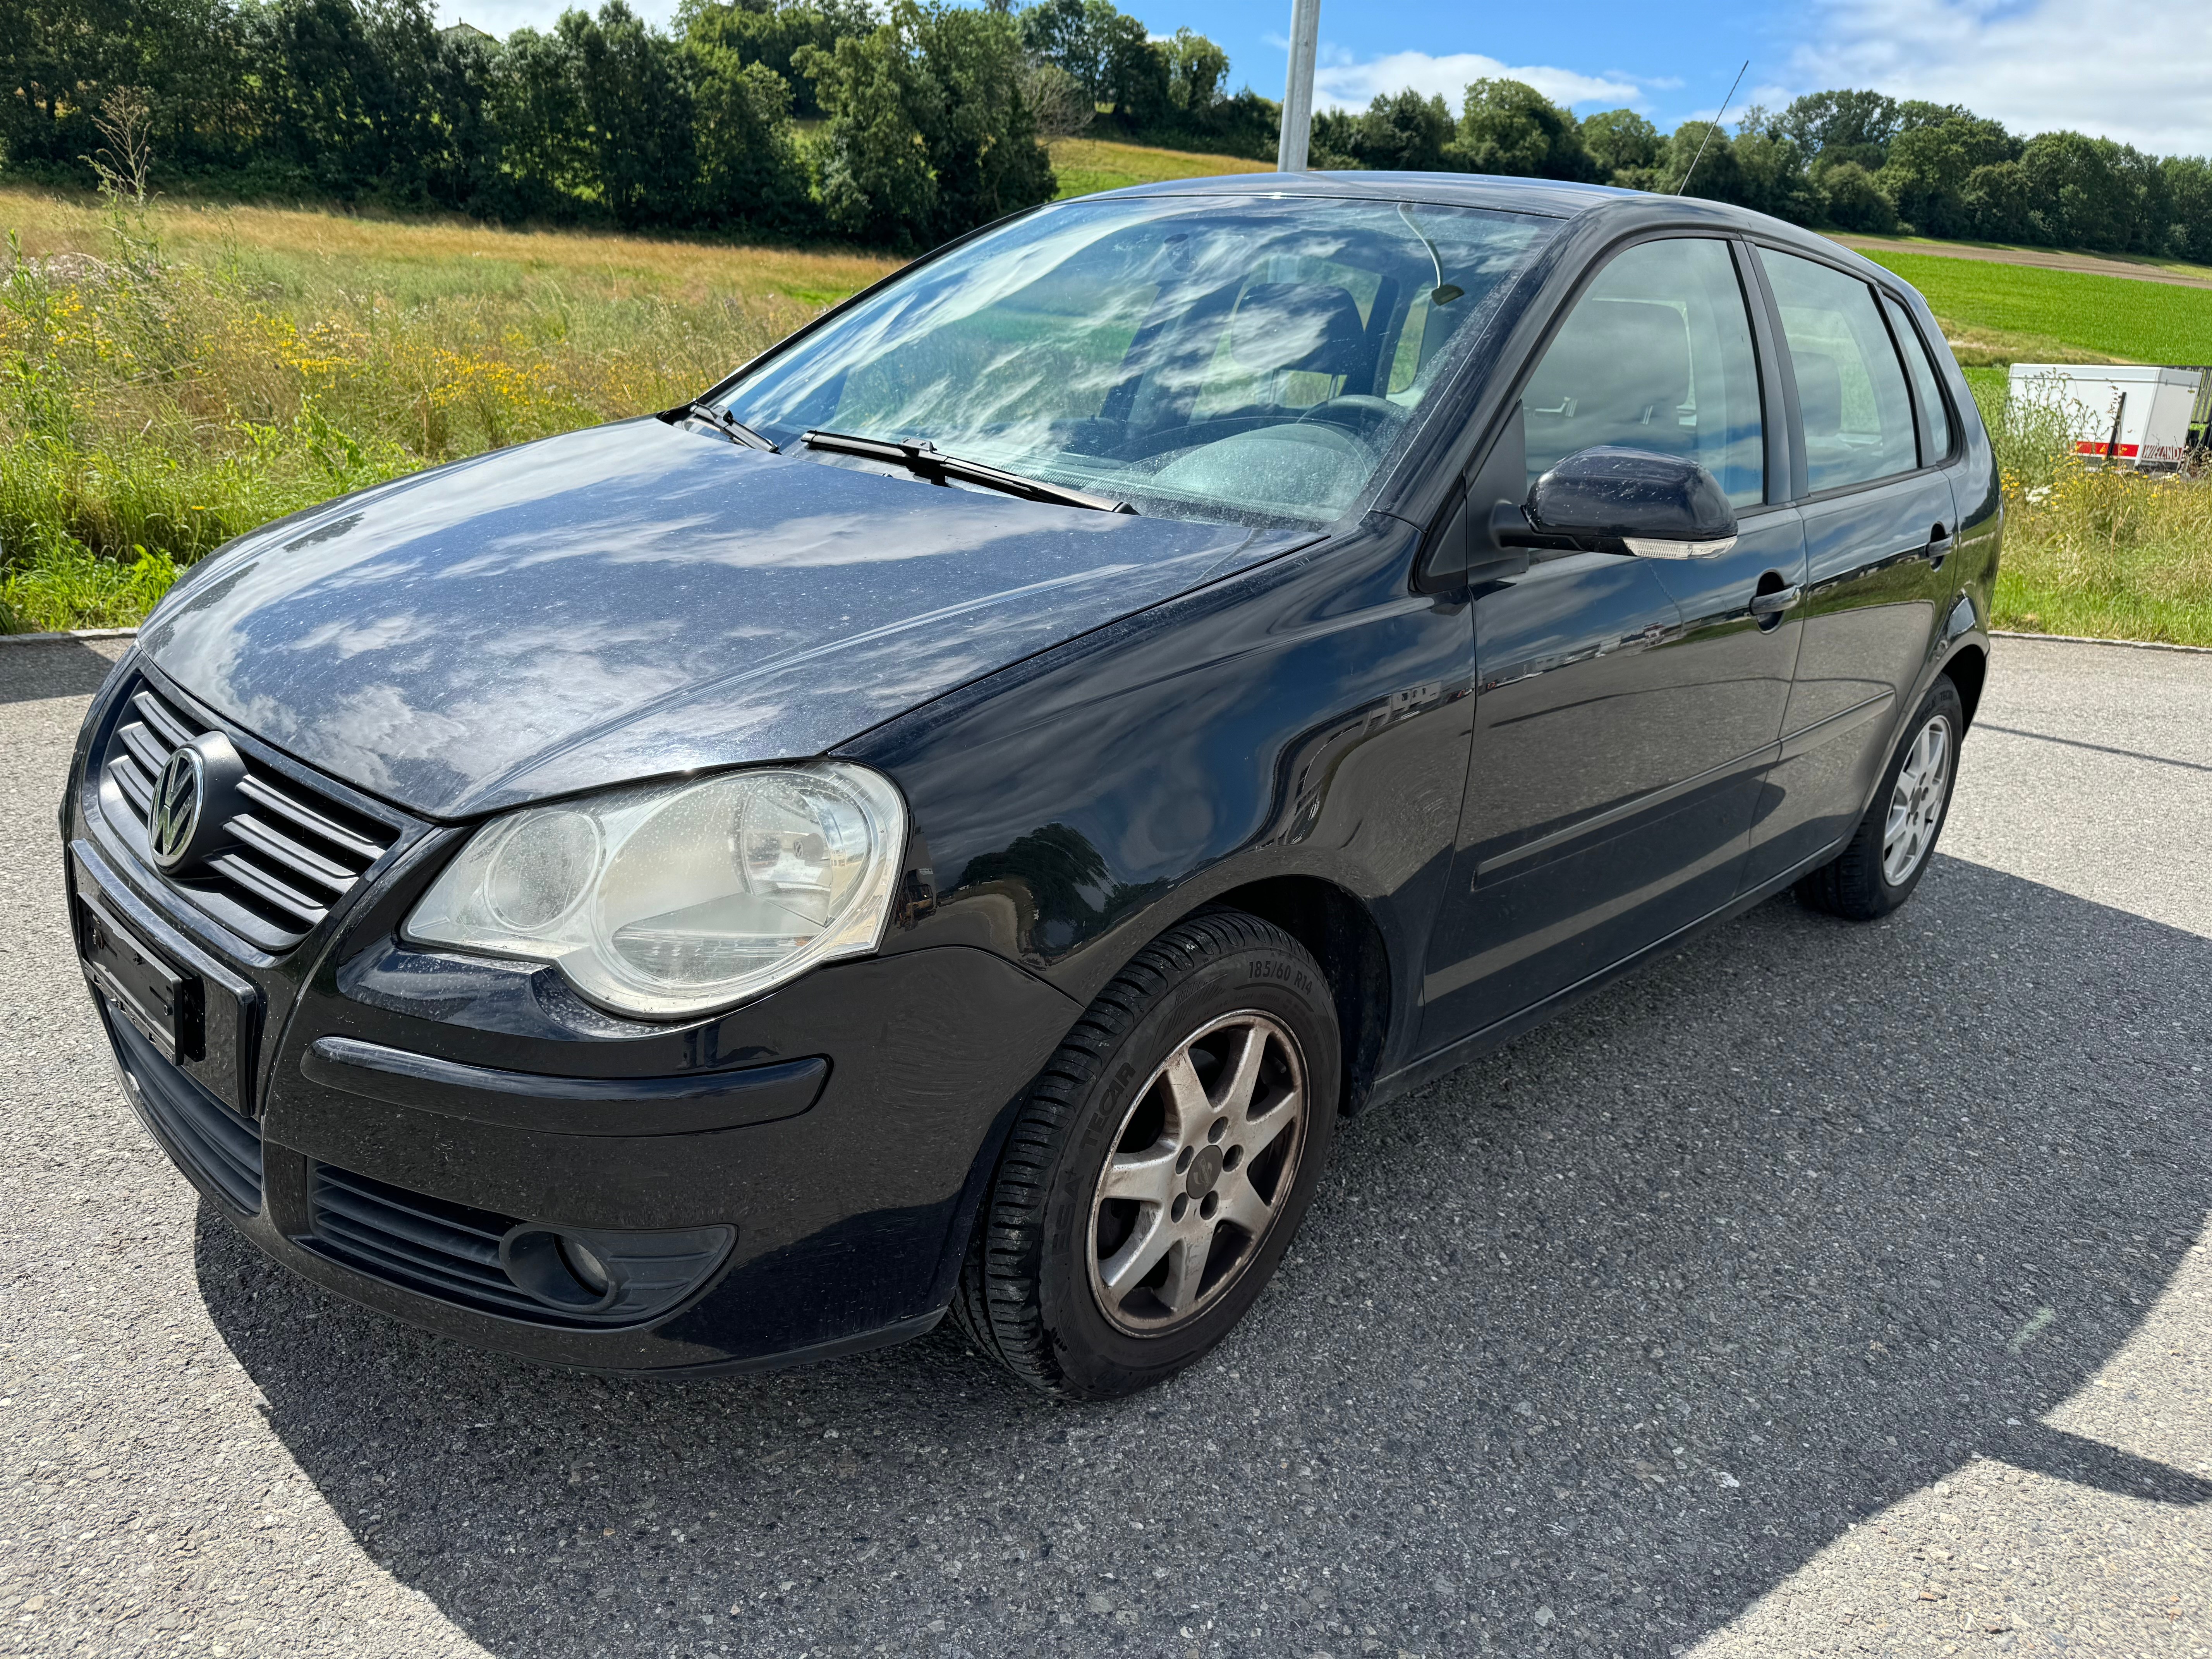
(179,796)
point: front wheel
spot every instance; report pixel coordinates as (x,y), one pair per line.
(1889,853)
(1160,1164)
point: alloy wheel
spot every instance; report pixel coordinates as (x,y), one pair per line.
(1198,1170)
(1915,802)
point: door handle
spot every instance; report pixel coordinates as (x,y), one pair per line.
(1774,603)
(1939,545)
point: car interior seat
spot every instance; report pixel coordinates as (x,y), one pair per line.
(1288,328)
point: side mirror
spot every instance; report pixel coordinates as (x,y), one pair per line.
(1661,507)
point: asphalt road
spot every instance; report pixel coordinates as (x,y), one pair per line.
(1824,1288)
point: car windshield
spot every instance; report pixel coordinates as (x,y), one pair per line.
(1211,357)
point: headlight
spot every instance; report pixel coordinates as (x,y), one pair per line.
(676,899)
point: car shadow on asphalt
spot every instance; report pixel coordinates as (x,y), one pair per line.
(1624,1324)
(55,668)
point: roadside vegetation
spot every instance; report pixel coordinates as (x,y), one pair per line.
(2089,550)
(170,378)
(172,375)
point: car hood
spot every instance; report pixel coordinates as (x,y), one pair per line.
(639,599)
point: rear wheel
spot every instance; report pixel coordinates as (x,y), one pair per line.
(1889,853)
(1160,1164)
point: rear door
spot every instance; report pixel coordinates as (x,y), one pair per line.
(1626,708)
(1879,518)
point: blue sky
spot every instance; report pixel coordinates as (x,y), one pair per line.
(2140,74)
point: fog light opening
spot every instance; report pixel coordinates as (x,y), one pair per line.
(558,1269)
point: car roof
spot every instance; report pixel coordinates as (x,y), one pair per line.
(1545,196)
(1553,198)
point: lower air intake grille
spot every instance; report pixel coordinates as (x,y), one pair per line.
(291,850)
(219,1151)
(446,1250)
(452,1252)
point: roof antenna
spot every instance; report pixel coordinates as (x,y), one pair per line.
(1708,138)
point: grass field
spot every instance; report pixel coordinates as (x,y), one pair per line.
(1086,165)
(202,370)
(1998,313)
(191,373)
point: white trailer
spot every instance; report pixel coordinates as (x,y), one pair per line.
(2136,414)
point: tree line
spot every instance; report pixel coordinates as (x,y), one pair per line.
(1852,160)
(897,125)
(902,123)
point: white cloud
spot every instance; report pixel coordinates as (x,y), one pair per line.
(1343,84)
(2098,66)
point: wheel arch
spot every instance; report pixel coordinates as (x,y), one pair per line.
(1968,669)
(1343,936)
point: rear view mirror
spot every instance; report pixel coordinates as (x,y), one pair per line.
(1661,506)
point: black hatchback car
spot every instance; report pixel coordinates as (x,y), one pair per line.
(953,817)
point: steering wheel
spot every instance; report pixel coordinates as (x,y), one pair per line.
(1364,416)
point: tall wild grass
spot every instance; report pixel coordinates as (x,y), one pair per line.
(2092,551)
(154,406)
(185,384)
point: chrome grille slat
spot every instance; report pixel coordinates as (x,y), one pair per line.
(295,854)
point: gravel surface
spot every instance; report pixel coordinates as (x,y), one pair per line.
(1823,1289)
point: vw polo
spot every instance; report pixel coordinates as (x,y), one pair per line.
(952,818)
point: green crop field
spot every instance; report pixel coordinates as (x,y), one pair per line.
(2024,313)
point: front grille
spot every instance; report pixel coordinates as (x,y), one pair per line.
(217,1149)
(293,853)
(446,1250)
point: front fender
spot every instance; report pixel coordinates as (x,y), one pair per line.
(1310,718)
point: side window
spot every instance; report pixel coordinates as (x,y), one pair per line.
(1927,387)
(1851,387)
(1656,356)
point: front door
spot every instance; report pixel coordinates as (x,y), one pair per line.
(1626,707)
(1878,523)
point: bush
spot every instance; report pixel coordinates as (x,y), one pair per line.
(1856,200)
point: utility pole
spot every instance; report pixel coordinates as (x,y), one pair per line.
(1297,94)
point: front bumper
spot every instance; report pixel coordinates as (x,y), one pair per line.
(397,1125)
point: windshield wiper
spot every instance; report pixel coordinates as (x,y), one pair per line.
(728,425)
(927,459)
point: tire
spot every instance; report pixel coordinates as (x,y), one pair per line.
(1884,862)
(1062,1285)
